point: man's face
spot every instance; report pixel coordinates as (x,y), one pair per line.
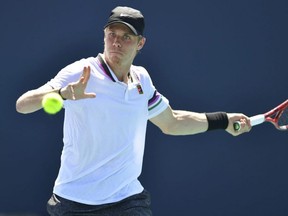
(120,43)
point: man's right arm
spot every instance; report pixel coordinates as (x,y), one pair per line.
(31,101)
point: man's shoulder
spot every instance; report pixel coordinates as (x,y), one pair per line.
(139,70)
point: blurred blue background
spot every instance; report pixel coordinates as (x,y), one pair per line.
(203,56)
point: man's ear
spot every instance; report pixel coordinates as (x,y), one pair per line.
(141,43)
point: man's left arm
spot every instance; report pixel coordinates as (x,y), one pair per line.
(180,122)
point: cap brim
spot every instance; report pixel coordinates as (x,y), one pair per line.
(125,23)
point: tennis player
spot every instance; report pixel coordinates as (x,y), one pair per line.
(108,102)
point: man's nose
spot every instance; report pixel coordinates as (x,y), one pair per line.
(117,41)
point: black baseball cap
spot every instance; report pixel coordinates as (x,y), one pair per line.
(130,17)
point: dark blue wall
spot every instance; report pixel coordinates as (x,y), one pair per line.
(203,55)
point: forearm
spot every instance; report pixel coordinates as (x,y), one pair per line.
(31,101)
(192,123)
(179,122)
(188,123)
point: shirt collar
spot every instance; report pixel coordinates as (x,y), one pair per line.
(105,68)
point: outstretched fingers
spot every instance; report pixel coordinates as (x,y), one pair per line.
(77,89)
(85,75)
(84,80)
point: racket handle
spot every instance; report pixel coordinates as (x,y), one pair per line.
(258,119)
(254,120)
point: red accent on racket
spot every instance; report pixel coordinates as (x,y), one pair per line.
(277,116)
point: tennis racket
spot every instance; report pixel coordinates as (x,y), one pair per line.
(277,116)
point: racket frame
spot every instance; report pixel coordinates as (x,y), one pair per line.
(267,117)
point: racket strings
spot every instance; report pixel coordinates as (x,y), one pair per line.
(283,118)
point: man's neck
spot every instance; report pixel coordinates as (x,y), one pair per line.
(120,69)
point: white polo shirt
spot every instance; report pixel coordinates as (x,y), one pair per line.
(104,137)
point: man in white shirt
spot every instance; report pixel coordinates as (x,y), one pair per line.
(108,102)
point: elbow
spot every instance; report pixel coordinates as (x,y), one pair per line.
(28,103)
(169,131)
(165,131)
(20,108)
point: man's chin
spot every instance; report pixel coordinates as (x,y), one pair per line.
(116,55)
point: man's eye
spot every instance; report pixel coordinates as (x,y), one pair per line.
(111,34)
(126,37)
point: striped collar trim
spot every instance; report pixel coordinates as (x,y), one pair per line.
(132,76)
(105,67)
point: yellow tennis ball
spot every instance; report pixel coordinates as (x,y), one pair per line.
(52,103)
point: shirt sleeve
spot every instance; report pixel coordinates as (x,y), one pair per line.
(68,74)
(157,104)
